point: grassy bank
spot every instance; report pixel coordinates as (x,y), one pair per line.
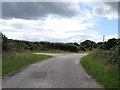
(97,66)
(0,65)
(55,51)
(14,61)
(62,52)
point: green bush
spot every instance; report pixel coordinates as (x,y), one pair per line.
(115,56)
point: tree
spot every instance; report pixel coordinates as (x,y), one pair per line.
(4,43)
(88,45)
(110,43)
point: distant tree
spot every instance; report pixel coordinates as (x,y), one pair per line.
(72,48)
(100,44)
(76,44)
(87,45)
(110,43)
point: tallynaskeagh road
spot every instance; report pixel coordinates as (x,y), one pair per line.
(62,71)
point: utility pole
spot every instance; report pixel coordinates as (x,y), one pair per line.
(103,41)
(103,38)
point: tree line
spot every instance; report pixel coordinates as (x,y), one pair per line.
(87,45)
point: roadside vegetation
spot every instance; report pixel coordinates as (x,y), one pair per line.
(62,52)
(14,61)
(103,64)
(0,65)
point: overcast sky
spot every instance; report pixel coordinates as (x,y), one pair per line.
(60,21)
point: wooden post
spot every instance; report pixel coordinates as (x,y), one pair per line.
(103,38)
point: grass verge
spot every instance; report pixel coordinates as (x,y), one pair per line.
(98,68)
(14,61)
(62,52)
(0,64)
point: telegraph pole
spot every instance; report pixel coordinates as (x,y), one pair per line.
(103,38)
(103,41)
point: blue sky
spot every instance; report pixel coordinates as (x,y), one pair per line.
(60,21)
(106,26)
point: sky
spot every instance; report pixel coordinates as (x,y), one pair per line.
(60,21)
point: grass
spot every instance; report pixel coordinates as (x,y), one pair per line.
(106,74)
(61,51)
(14,61)
(0,65)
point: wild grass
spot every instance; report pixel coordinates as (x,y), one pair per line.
(97,66)
(61,51)
(0,65)
(14,61)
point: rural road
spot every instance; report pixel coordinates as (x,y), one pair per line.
(62,71)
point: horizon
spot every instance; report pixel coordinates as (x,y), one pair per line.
(58,42)
(65,22)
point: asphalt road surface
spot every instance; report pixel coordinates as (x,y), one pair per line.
(62,71)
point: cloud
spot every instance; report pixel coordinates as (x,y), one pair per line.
(105,9)
(60,0)
(51,29)
(36,10)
